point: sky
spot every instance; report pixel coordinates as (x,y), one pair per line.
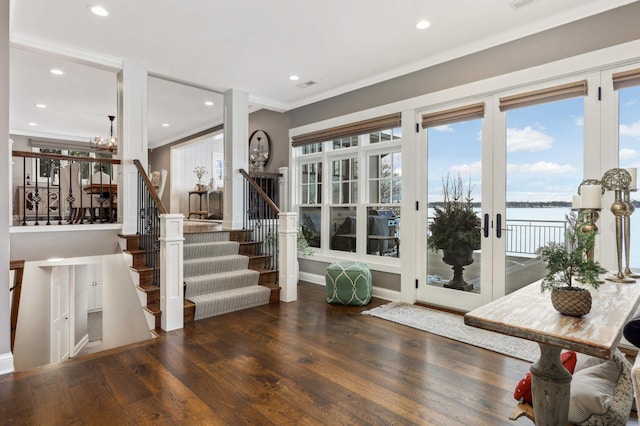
(544,149)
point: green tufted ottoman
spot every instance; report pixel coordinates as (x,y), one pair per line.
(348,283)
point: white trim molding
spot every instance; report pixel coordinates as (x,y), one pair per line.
(6,363)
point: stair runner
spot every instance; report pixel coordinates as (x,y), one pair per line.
(216,277)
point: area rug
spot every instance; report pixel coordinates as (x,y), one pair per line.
(452,326)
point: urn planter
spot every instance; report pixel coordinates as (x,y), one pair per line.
(458,259)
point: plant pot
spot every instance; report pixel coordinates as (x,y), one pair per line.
(458,259)
(571,301)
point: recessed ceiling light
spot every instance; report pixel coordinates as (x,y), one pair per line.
(32,123)
(43,106)
(56,71)
(165,124)
(208,103)
(423,25)
(99,10)
(294,77)
(55,259)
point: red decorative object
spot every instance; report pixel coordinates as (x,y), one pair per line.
(523,388)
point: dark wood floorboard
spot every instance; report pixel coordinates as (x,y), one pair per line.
(300,363)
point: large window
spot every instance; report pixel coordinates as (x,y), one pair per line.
(360,207)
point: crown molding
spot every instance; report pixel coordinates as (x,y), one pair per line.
(83,56)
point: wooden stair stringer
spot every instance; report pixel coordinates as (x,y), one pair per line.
(148,294)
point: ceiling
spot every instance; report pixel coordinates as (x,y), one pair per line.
(250,45)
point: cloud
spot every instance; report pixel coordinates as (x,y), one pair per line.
(628,153)
(527,139)
(444,128)
(579,121)
(467,169)
(632,102)
(542,168)
(633,130)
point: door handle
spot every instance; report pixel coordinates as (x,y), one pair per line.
(486,225)
(498,225)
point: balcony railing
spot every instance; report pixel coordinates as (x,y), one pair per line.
(56,189)
(523,237)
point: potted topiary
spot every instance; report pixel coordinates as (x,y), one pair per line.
(569,261)
(455,229)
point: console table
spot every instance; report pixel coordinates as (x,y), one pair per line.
(204,198)
(528,313)
(46,199)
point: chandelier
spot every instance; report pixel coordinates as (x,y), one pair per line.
(109,145)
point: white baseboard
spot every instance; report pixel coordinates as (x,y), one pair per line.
(80,345)
(381,293)
(312,278)
(6,363)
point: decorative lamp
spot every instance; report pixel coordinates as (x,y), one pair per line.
(111,144)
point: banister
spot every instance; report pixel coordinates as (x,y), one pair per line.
(260,192)
(152,190)
(29,154)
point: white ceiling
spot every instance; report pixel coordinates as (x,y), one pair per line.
(250,45)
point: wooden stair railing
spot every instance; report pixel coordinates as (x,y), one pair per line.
(41,196)
(144,247)
(260,215)
(18,267)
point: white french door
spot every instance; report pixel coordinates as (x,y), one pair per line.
(452,154)
(523,162)
(60,313)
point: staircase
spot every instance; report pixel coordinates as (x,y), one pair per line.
(223,272)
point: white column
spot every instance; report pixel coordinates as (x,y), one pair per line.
(171,276)
(6,359)
(288,252)
(132,139)
(236,155)
(284,189)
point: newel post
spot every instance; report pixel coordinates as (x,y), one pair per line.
(171,271)
(288,250)
(284,189)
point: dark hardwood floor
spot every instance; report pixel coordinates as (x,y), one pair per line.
(297,363)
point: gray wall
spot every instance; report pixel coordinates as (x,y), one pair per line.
(276,125)
(596,32)
(160,158)
(600,31)
(378,278)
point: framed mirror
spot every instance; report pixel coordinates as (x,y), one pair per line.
(259,150)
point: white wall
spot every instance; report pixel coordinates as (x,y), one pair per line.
(33,333)
(184,158)
(5,214)
(122,317)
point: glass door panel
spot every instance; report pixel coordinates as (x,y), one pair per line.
(453,235)
(544,167)
(629,156)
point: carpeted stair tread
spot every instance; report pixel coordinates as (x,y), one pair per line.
(202,284)
(205,237)
(213,265)
(223,302)
(210,249)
